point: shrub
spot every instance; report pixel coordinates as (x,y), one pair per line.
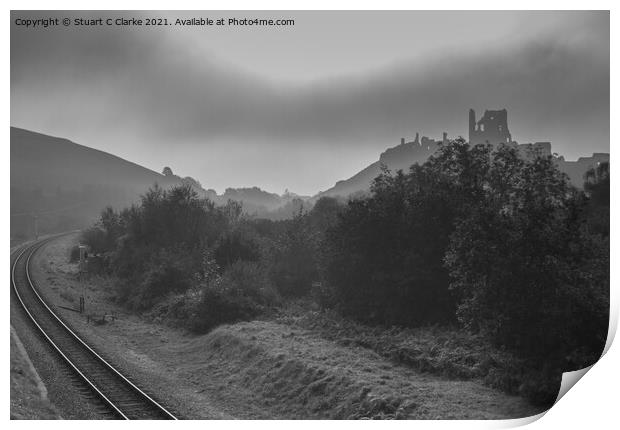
(164,274)
(293,260)
(175,309)
(236,245)
(243,292)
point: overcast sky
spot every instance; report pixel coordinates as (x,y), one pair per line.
(303,106)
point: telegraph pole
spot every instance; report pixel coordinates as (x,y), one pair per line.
(36,226)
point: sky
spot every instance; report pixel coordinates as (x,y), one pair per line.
(300,107)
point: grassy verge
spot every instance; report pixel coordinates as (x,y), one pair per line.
(449,352)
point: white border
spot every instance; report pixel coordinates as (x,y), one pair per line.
(592,404)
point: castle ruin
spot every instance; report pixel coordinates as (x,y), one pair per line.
(492,128)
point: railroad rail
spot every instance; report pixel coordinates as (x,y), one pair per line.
(121,397)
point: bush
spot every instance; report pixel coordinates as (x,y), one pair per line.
(175,309)
(243,292)
(166,273)
(293,261)
(236,245)
(154,247)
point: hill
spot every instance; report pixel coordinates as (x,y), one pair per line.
(46,162)
(398,157)
(65,184)
(58,185)
(263,204)
(419,150)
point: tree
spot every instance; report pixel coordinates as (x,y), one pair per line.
(167,171)
(528,272)
(293,259)
(503,242)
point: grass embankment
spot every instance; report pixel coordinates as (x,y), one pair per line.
(449,352)
(300,374)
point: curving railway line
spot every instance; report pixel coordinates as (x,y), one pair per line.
(122,398)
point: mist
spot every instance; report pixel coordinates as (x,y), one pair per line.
(203,105)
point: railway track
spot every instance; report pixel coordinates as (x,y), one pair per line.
(122,398)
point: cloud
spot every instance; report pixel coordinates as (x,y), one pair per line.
(151,86)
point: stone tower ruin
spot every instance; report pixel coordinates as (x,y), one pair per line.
(492,128)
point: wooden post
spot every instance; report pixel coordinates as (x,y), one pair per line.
(82,268)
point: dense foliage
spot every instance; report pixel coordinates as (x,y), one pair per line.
(385,255)
(202,264)
(499,241)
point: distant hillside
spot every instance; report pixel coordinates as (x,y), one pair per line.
(46,162)
(66,185)
(263,204)
(419,150)
(398,157)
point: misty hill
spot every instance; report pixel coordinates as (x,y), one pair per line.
(398,157)
(263,204)
(66,184)
(419,150)
(46,162)
(253,197)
